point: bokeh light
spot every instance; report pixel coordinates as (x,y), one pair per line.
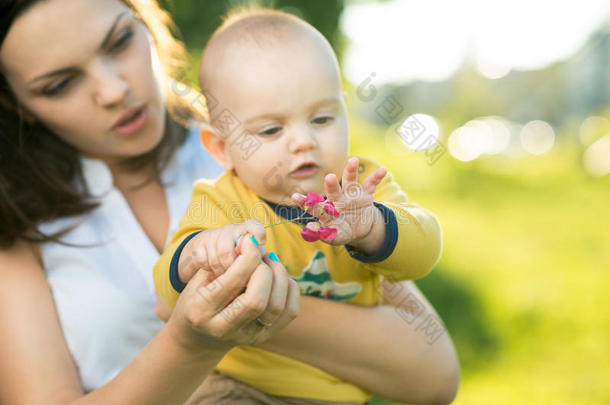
(592,128)
(500,134)
(486,135)
(419,132)
(491,70)
(597,157)
(537,137)
(465,144)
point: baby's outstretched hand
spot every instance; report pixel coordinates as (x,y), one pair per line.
(348,208)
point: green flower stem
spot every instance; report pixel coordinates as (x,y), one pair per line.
(285,222)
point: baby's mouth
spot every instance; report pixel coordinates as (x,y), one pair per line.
(305,170)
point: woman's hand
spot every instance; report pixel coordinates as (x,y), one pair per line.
(214,250)
(217,316)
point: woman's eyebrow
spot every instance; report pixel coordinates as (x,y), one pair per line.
(102,46)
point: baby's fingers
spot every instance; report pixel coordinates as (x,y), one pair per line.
(299,199)
(316,210)
(226,252)
(350,176)
(255,228)
(332,189)
(373,180)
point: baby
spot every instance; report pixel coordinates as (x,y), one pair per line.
(277,79)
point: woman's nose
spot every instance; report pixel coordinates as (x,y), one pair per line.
(302,139)
(111,88)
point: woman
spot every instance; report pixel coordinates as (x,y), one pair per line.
(95,170)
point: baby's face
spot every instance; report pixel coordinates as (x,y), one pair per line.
(289,98)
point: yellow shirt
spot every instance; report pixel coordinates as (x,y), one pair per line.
(411,249)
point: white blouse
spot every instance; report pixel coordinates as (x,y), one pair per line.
(104,293)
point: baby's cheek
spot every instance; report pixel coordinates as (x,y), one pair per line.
(266,180)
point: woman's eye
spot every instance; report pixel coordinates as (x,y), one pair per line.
(322,120)
(57,88)
(270,131)
(61,85)
(123,39)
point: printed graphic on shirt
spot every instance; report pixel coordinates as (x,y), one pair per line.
(315,281)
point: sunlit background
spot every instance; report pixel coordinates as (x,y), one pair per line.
(495,115)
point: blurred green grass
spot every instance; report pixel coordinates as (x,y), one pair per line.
(523,281)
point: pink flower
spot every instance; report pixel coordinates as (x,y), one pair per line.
(329,208)
(313,199)
(309,235)
(327,234)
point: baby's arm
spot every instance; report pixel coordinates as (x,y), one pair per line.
(414,232)
(206,241)
(378,225)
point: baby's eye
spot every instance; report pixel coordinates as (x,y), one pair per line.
(270,131)
(322,120)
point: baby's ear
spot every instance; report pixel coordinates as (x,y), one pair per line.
(213,142)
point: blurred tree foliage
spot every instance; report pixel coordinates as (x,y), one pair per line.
(197,19)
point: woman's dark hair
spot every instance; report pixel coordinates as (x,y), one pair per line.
(40,174)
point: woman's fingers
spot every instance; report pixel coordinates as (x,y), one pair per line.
(252,303)
(238,242)
(249,227)
(223,245)
(253,230)
(220,313)
(291,308)
(279,291)
(233,281)
(291,311)
(201,298)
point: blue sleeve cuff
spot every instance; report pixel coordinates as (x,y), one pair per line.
(391,237)
(173,266)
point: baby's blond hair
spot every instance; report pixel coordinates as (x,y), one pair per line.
(255,25)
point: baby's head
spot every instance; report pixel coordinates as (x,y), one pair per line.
(279,77)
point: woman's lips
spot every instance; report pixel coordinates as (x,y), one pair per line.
(305,171)
(135,123)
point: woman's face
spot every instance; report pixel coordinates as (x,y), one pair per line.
(78,66)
